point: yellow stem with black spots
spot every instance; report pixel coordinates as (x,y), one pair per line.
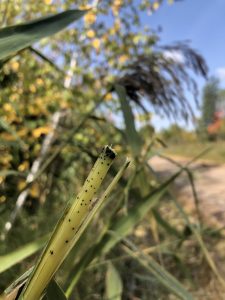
(64,234)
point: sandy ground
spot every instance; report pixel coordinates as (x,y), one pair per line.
(209,180)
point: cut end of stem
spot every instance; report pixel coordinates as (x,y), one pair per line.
(108,151)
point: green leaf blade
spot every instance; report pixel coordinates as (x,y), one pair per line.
(132,135)
(18,37)
(114,285)
(14,257)
(54,291)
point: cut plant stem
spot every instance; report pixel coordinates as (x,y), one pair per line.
(66,231)
(96,207)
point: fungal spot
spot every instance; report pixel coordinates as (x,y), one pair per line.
(81,204)
(82,200)
(69,220)
(73,228)
(86,191)
(85,204)
(108,164)
(102,162)
(91,185)
(66,241)
(101,178)
(51,252)
(78,211)
(98,173)
(90,200)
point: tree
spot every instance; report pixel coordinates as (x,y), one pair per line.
(210,101)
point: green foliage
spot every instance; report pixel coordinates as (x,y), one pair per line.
(54,292)
(177,135)
(209,101)
(12,258)
(15,38)
(132,136)
(114,285)
(161,274)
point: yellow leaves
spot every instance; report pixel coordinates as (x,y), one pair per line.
(36,133)
(64,104)
(116,27)
(33,111)
(116,7)
(24,166)
(14,97)
(90,34)
(40,82)
(143,117)
(21,184)
(22,132)
(32,88)
(105,38)
(98,84)
(115,10)
(2,198)
(155,5)
(108,97)
(7,136)
(90,18)
(15,66)
(9,112)
(117,148)
(37,149)
(48,2)
(38,107)
(8,107)
(111,62)
(123,58)
(5,159)
(34,190)
(86,6)
(137,39)
(96,43)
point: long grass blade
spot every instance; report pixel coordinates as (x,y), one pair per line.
(16,256)
(164,277)
(18,37)
(121,228)
(114,285)
(65,234)
(95,209)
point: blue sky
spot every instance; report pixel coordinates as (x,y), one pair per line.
(202,22)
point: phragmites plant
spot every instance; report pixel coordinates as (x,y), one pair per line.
(69,227)
(124,235)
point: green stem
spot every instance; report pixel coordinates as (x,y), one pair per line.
(67,231)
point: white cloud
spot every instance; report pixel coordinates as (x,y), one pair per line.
(220,73)
(175,55)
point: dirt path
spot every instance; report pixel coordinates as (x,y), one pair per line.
(210,185)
